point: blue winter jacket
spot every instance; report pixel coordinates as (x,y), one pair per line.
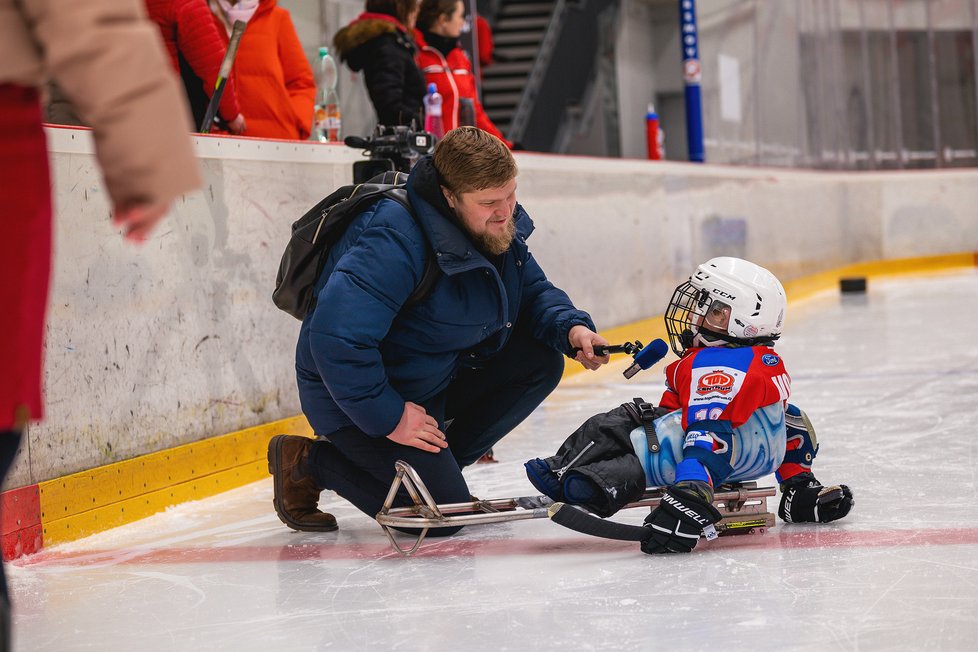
(360,357)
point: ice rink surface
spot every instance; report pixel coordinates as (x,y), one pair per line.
(890,380)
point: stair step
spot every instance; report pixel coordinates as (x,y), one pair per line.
(507,69)
(501,99)
(512,53)
(517,38)
(521,23)
(525,9)
(503,84)
(502,114)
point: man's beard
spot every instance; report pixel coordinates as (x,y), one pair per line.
(495,244)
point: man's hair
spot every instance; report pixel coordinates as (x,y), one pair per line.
(470,159)
(399,9)
(432,9)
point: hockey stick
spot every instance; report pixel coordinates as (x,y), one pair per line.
(579,520)
(222,75)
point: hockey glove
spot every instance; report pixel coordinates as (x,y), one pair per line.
(685,511)
(805,500)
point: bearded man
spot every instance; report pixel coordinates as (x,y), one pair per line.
(434,383)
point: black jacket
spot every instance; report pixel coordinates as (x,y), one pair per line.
(385,54)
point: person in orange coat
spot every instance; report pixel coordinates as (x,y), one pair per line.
(190,35)
(446,64)
(276,89)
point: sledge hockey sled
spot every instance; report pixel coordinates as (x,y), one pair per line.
(743,508)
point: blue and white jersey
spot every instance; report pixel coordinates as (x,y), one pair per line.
(754,449)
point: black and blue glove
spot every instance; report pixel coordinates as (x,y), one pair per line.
(805,500)
(685,512)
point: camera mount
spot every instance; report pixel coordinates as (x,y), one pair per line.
(389,149)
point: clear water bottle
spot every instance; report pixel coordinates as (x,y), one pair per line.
(327,122)
(433,123)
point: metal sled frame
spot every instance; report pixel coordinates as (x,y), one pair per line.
(743,508)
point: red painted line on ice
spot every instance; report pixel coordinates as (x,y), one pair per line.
(811,537)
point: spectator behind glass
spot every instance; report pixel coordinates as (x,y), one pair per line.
(274,81)
(446,64)
(196,52)
(379,42)
(110,63)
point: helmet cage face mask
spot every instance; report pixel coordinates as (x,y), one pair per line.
(686,312)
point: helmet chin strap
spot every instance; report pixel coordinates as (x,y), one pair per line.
(701,339)
(707,338)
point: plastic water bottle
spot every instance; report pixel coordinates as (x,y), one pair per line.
(433,123)
(327,122)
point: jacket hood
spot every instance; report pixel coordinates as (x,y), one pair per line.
(349,40)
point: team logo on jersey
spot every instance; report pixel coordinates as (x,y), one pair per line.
(715,381)
(770,359)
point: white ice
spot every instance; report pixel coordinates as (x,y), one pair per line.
(890,380)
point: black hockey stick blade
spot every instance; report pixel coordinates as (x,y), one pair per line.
(222,75)
(580,520)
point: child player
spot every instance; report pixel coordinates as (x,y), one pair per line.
(724,417)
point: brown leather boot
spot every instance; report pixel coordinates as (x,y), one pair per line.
(296,494)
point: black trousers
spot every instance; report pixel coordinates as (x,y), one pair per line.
(481,406)
(9,441)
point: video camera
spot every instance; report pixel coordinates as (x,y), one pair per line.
(389,148)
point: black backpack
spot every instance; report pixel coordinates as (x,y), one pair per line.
(315,232)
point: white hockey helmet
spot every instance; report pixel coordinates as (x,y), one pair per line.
(726,301)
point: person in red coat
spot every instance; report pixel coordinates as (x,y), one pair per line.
(276,89)
(189,33)
(446,64)
(107,58)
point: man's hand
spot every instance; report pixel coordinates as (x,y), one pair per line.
(416,428)
(137,221)
(583,338)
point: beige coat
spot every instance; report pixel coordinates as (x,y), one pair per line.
(109,60)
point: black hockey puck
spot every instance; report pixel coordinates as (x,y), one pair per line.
(852,285)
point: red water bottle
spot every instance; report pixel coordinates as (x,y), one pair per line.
(653,134)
